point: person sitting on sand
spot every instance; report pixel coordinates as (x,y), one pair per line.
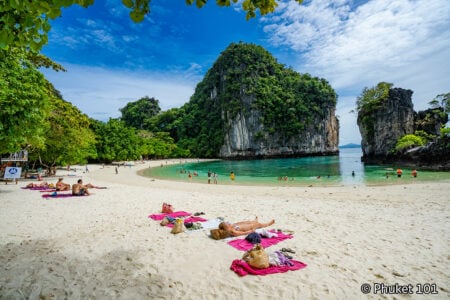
(78,189)
(61,186)
(227,229)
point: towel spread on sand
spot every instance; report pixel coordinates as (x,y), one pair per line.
(212,224)
(159,217)
(242,268)
(190,220)
(244,245)
(61,195)
(39,188)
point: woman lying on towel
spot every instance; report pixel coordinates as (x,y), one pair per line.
(43,184)
(227,229)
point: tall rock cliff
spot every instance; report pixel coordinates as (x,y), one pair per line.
(246,136)
(383,122)
(381,128)
(248,105)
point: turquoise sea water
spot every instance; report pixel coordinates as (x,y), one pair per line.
(323,170)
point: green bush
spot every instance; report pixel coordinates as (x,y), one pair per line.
(409,141)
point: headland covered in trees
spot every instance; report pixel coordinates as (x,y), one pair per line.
(247,105)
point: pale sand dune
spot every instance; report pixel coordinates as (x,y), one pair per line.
(104,246)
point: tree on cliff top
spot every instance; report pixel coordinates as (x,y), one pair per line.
(371,98)
(25,24)
(442,100)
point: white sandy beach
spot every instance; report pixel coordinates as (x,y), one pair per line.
(104,246)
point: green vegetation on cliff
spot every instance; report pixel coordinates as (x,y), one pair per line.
(370,100)
(246,78)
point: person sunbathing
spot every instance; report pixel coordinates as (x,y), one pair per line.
(61,186)
(78,189)
(43,184)
(227,229)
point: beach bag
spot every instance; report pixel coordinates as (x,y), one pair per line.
(253,238)
(257,257)
(164,221)
(167,208)
(178,226)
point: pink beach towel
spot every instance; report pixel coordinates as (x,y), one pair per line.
(242,268)
(61,195)
(190,220)
(244,245)
(159,217)
(39,188)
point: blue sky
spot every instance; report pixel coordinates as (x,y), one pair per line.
(353,44)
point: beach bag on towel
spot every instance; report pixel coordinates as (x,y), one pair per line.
(257,257)
(167,208)
(178,226)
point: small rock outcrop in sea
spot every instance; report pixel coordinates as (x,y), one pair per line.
(387,124)
(395,117)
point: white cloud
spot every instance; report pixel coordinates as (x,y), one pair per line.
(404,42)
(101,92)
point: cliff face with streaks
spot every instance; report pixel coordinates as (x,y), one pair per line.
(250,106)
(394,119)
(383,127)
(246,136)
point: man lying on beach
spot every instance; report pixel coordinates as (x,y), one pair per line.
(78,189)
(227,229)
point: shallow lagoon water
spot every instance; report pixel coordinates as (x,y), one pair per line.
(316,171)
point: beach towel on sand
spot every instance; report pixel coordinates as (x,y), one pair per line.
(190,220)
(244,245)
(61,195)
(39,188)
(242,268)
(176,214)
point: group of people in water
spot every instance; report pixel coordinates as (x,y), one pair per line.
(399,173)
(212,176)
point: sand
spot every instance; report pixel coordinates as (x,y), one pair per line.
(105,247)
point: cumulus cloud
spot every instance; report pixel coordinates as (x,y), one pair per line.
(356,45)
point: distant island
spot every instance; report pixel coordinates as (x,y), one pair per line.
(351,145)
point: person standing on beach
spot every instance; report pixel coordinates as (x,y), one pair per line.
(232,176)
(209,176)
(414,173)
(117,170)
(399,172)
(215,178)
